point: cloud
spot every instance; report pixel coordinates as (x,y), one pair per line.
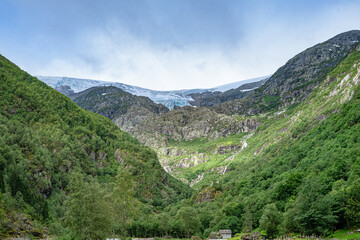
(162,52)
(117,55)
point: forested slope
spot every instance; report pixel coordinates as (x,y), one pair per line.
(44,137)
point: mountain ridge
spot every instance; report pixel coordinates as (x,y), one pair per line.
(123,108)
(167,98)
(295,80)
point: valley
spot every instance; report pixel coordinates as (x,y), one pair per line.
(280,155)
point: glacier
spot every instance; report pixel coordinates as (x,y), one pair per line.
(170,99)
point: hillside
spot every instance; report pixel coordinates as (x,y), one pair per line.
(299,170)
(189,123)
(293,82)
(215,157)
(45,138)
(208,129)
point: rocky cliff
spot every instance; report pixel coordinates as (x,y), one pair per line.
(189,123)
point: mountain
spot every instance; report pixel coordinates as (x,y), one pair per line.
(301,166)
(293,82)
(223,116)
(189,123)
(129,111)
(123,108)
(217,97)
(283,159)
(244,84)
(170,99)
(212,125)
(45,137)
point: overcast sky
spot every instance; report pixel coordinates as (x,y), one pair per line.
(166,44)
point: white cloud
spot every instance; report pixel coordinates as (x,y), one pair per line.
(113,54)
(118,56)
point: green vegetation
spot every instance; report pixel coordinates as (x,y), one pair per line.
(345,234)
(88,210)
(65,171)
(189,219)
(44,137)
(94,212)
(301,163)
(270,221)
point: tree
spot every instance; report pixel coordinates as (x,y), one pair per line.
(234,209)
(247,220)
(352,209)
(270,221)
(190,219)
(232,222)
(164,219)
(88,214)
(124,204)
(312,211)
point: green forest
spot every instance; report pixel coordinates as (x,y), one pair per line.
(45,139)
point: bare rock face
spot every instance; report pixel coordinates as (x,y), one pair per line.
(189,123)
(228,149)
(134,116)
(189,159)
(207,195)
(310,65)
(120,155)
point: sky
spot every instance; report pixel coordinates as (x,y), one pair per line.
(167,44)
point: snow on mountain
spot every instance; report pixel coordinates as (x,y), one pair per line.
(169,99)
(226,87)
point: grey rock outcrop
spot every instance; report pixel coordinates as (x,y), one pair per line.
(189,123)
